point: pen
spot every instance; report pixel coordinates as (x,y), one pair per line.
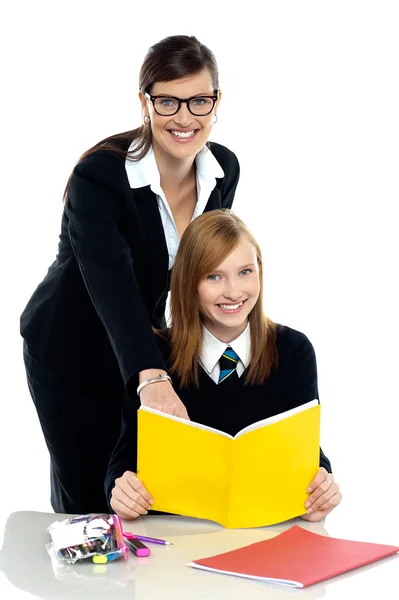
(130,536)
(137,547)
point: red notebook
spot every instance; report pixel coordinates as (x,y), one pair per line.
(297,557)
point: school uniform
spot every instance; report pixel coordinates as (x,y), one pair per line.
(235,406)
(87,327)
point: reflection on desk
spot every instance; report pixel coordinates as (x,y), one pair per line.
(27,565)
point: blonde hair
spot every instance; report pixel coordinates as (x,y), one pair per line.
(207,241)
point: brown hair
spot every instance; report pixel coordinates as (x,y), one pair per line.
(206,242)
(172,58)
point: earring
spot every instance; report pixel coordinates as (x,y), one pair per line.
(146,119)
(216,120)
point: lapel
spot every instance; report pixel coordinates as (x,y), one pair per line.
(149,217)
(214,201)
(155,248)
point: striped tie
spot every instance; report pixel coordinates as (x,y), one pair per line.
(228,363)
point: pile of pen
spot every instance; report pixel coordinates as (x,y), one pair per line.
(96,537)
(99,538)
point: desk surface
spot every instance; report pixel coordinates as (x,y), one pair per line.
(27,569)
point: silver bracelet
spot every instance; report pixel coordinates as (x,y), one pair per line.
(160,377)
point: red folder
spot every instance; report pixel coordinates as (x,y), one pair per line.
(297,557)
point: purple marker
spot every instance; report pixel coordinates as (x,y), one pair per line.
(130,536)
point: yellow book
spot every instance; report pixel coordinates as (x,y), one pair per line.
(256,478)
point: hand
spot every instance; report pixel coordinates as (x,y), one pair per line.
(161,396)
(129,497)
(324,496)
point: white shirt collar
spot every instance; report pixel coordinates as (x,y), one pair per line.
(212,348)
(145,171)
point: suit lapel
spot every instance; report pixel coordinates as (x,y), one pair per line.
(214,200)
(152,232)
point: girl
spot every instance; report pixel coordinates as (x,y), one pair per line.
(231,365)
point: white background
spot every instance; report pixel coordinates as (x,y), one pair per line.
(310,107)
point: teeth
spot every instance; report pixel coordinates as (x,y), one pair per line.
(183,134)
(230,306)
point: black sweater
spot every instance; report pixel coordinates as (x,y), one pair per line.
(292,384)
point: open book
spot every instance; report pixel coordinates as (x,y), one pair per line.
(257,478)
(296,558)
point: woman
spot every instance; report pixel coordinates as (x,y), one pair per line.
(231,365)
(88,326)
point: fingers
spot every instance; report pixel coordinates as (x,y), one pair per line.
(129,498)
(319,485)
(132,482)
(162,397)
(122,510)
(330,503)
(322,492)
(182,413)
(320,476)
(324,497)
(316,516)
(324,510)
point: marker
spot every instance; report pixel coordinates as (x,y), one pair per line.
(101,559)
(137,547)
(130,536)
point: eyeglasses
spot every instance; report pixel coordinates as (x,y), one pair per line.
(166,106)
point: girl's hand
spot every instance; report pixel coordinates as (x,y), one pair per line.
(324,496)
(129,497)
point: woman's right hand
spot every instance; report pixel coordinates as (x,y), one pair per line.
(161,396)
(129,497)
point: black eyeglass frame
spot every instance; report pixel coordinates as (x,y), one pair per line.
(181,101)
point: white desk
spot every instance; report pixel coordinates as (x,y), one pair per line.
(27,569)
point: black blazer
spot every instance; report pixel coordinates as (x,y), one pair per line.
(91,316)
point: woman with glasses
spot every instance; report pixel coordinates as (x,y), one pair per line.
(87,328)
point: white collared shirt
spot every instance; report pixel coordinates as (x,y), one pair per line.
(212,350)
(145,172)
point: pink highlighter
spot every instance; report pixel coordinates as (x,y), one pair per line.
(137,547)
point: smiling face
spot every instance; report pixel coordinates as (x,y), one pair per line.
(228,294)
(181,135)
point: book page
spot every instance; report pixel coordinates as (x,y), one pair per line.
(185,469)
(276,418)
(186,422)
(272,467)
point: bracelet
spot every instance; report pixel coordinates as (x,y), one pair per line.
(160,377)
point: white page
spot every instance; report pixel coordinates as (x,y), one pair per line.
(286,582)
(276,418)
(251,427)
(189,423)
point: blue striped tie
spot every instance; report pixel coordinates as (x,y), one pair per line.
(228,364)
